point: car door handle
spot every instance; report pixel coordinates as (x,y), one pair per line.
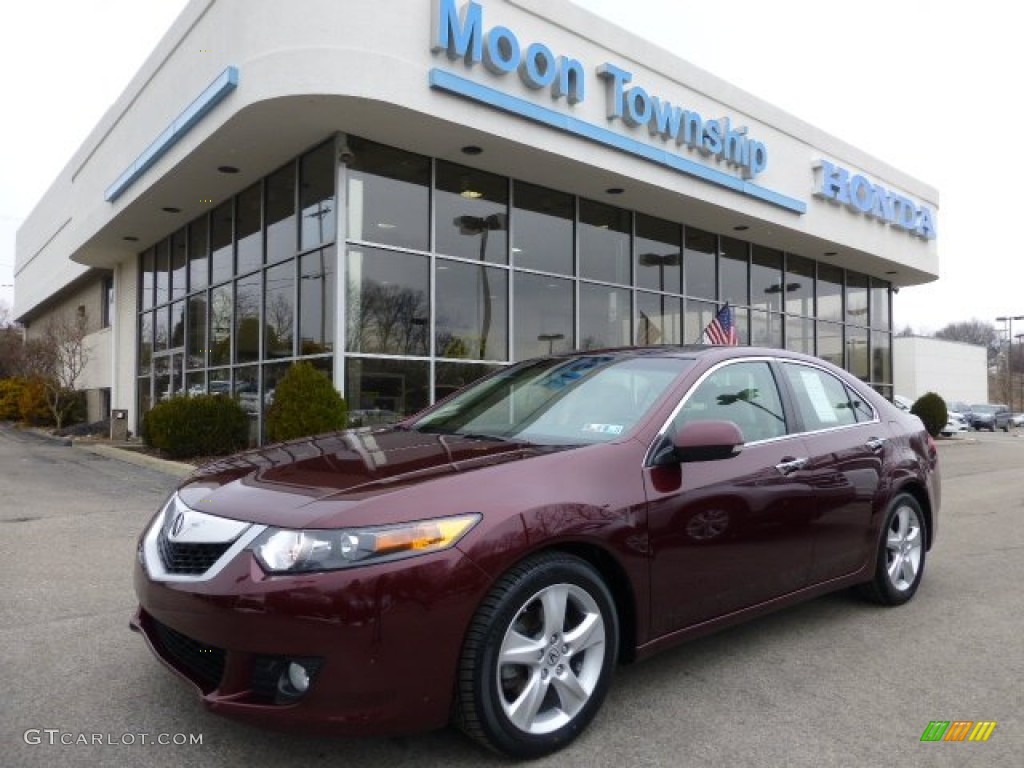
(875,444)
(788,466)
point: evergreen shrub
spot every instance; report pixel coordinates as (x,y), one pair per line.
(305,403)
(931,409)
(191,427)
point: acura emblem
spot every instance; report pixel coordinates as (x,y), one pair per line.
(178,524)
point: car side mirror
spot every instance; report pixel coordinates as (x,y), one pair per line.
(707,441)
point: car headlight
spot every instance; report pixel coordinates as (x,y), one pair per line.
(280,550)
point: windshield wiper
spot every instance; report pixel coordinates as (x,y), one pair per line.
(486,436)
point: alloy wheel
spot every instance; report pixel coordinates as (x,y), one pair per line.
(903,547)
(551,659)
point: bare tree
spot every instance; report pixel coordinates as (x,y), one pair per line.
(10,344)
(388,318)
(279,324)
(57,359)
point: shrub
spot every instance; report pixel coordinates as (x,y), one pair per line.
(35,412)
(10,399)
(187,427)
(305,403)
(931,409)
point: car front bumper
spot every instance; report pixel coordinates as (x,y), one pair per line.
(384,640)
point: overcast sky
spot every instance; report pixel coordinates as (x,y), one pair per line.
(931,88)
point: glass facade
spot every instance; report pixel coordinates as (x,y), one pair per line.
(448,272)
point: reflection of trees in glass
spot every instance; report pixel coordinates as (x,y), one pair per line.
(145,343)
(453,345)
(317,273)
(161,328)
(197,331)
(247,313)
(387,318)
(280,324)
(248,338)
(221,307)
(178,332)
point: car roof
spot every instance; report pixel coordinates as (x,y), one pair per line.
(695,351)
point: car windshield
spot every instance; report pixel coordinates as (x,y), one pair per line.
(983,408)
(559,401)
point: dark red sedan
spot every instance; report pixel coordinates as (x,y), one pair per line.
(491,560)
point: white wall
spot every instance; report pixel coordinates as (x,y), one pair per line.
(954,370)
(96,374)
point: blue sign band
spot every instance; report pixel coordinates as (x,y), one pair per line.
(446,81)
(182,124)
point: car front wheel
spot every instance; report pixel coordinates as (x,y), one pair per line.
(538,657)
(900,559)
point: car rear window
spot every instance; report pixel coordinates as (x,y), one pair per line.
(823,400)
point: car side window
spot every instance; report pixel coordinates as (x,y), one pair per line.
(823,400)
(861,408)
(743,393)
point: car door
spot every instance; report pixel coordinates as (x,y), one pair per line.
(729,533)
(847,447)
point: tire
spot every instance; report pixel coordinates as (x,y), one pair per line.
(899,563)
(529,683)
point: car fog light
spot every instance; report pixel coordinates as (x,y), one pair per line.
(298,677)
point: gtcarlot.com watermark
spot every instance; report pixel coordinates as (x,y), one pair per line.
(57,737)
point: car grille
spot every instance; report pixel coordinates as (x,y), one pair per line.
(204,663)
(189,558)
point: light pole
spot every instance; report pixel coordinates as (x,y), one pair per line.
(1020,341)
(551,338)
(482,225)
(1007,321)
(660,260)
(851,351)
(778,289)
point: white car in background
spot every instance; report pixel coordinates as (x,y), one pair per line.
(956,424)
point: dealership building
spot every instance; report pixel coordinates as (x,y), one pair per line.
(411,194)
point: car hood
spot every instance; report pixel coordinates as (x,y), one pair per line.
(294,484)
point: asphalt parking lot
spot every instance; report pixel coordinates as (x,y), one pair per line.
(834,682)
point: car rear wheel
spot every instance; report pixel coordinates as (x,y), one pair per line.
(538,657)
(901,554)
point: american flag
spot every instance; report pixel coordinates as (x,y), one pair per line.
(721,330)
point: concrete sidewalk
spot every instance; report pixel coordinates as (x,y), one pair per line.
(136,457)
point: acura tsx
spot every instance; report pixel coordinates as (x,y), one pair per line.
(491,560)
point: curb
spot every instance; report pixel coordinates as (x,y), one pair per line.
(166,466)
(956,441)
(39,434)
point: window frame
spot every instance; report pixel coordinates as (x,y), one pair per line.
(797,415)
(658,442)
